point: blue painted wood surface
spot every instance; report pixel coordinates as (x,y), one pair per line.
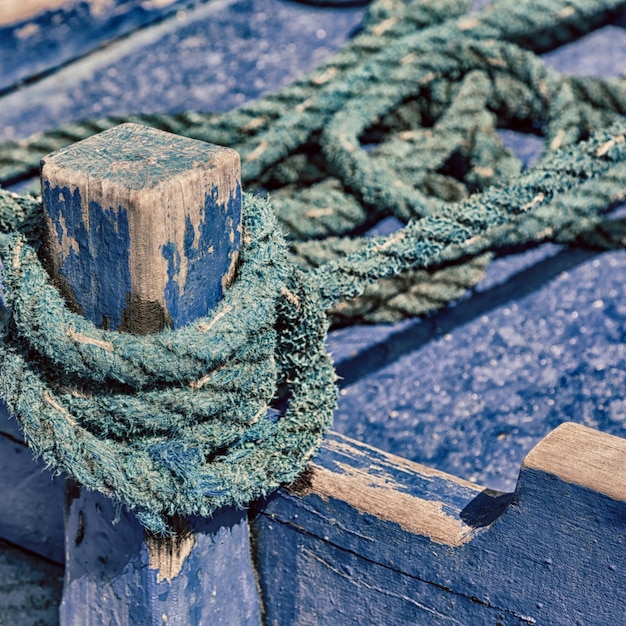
(117,575)
(31,514)
(213,58)
(30,588)
(143,229)
(368,538)
(33,45)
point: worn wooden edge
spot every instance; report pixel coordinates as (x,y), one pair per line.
(14,11)
(421,500)
(443,508)
(582,456)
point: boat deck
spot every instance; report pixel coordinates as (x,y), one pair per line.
(469,390)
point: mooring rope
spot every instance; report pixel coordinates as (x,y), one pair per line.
(176,422)
(402,122)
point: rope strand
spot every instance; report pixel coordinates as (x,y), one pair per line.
(402,123)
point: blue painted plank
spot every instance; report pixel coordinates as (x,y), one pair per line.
(472,389)
(34,44)
(31,515)
(212,58)
(30,588)
(370,538)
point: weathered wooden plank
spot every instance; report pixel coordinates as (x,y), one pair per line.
(31,515)
(30,588)
(40,35)
(115,574)
(216,57)
(400,543)
(143,229)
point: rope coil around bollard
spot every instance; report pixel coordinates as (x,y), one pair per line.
(403,122)
(178,422)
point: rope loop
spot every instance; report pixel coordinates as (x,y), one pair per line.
(404,122)
(180,422)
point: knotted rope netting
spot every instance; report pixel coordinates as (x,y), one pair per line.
(402,122)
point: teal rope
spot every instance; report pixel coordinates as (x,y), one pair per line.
(576,183)
(402,122)
(177,422)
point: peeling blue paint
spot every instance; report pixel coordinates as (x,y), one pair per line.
(209,259)
(101,279)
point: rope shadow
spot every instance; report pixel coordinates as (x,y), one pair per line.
(424,330)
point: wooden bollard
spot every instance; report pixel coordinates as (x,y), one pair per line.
(143,229)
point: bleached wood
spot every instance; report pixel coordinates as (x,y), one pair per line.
(583,456)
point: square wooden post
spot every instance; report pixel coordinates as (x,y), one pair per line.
(143,229)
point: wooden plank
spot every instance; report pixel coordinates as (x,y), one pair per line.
(19,10)
(397,542)
(40,35)
(143,231)
(31,515)
(180,64)
(30,588)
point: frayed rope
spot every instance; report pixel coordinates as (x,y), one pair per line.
(179,422)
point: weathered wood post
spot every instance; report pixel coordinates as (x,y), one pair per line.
(143,229)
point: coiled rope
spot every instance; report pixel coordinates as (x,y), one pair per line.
(400,123)
(177,422)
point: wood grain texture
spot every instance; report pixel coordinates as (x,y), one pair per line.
(31,515)
(373,532)
(177,200)
(30,588)
(143,229)
(583,456)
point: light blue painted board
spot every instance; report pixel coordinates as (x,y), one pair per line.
(157,218)
(399,543)
(40,43)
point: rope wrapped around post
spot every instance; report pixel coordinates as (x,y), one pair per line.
(182,425)
(372,133)
(175,423)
